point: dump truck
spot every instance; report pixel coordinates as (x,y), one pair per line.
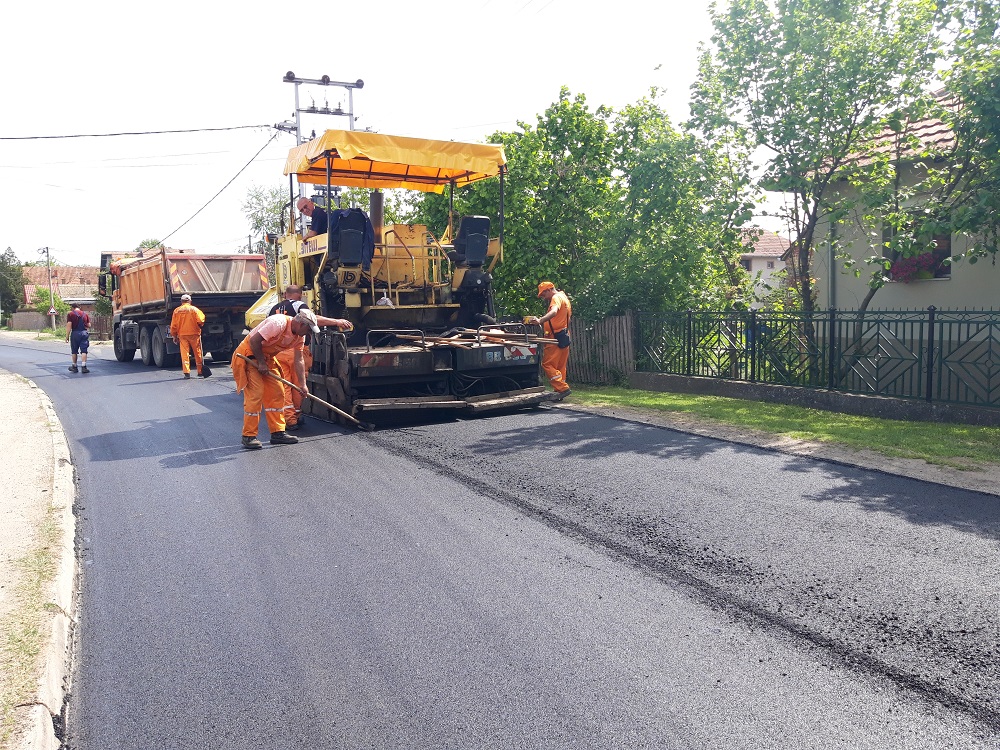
(146,287)
(425,333)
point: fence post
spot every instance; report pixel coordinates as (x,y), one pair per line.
(930,352)
(831,350)
(751,334)
(688,344)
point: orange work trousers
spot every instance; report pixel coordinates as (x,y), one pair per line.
(293,398)
(187,345)
(263,391)
(554,362)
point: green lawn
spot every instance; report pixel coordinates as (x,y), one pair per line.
(962,446)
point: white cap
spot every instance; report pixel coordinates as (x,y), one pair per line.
(185,298)
(308,316)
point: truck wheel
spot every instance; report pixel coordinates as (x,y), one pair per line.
(159,347)
(121,353)
(145,350)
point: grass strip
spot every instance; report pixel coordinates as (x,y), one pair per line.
(24,631)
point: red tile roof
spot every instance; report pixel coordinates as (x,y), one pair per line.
(929,132)
(61,274)
(767,243)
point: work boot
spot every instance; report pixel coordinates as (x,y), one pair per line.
(293,427)
(251,443)
(560,395)
(187,375)
(283,438)
(73,368)
(84,369)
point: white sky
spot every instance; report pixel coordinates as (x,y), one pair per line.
(446,69)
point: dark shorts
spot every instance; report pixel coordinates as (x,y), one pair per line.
(79,341)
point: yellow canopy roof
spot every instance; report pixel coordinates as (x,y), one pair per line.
(374,160)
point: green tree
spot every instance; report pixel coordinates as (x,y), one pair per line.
(42,302)
(964,174)
(397,205)
(149,244)
(811,84)
(619,208)
(12,283)
(102,305)
(267,210)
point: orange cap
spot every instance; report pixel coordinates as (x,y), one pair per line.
(545,285)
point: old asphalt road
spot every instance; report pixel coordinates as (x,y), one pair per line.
(37,475)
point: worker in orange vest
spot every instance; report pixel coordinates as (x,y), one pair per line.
(185,328)
(254,378)
(555,324)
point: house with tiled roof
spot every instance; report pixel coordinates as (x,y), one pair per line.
(72,284)
(764,258)
(915,283)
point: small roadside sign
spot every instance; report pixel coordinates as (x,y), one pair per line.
(52,311)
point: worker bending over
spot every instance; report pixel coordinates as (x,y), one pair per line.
(257,378)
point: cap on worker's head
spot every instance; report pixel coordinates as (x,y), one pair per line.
(545,285)
(308,317)
(185,298)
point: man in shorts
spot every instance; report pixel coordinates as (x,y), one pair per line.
(77,323)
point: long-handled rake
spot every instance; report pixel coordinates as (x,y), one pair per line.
(366,426)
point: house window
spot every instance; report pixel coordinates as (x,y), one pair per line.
(928,265)
(745,264)
(770,264)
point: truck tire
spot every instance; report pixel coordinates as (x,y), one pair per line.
(145,349)
(121,353)
(159,347)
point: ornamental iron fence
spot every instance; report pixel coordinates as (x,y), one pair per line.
(940,356)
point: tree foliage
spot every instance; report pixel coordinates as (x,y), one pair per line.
(617,207)
(42,302)
(12,283)
(811,84)
(267,210)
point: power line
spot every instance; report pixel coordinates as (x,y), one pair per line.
(277,133)
(112,135)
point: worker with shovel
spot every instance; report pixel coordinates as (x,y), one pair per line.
(258,375)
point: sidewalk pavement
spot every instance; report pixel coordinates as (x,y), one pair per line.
(38,492)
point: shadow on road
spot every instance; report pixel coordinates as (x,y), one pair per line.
(577,435)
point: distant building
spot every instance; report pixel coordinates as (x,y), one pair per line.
(765,258)
(72,284)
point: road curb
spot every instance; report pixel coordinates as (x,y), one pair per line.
(53,684)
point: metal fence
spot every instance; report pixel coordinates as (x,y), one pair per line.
(934,355)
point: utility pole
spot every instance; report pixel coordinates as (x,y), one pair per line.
(290,77)
(52,299)
(295,127)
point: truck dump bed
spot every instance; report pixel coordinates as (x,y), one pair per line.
(157,281)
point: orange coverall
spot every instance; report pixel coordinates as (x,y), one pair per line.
(293,398)
(185,327)
(554,359)
(276,334)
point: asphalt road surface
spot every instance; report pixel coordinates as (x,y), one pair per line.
(547,579)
